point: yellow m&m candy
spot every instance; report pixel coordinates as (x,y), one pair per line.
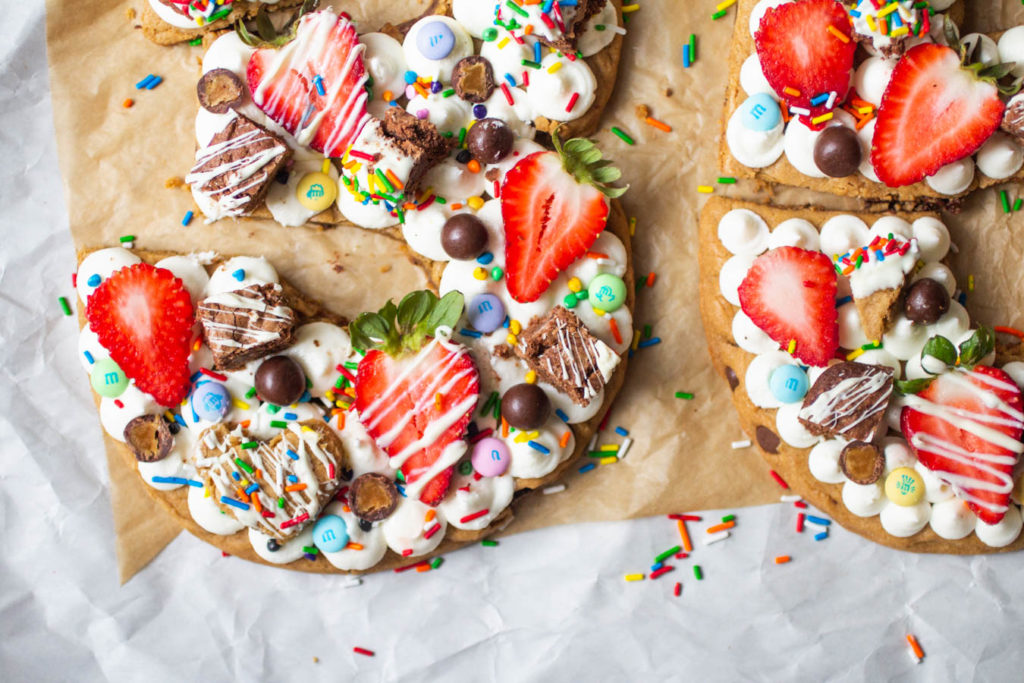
(904,486)
(316,191)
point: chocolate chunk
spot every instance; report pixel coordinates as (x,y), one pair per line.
(473,79)
(731,378)
(220,90)
(148,437)
(415,138)
(563,353)
(927,301)
(575,26)
(490,140)
(862,462)
(246,324)
(1013,118)
(525,406)
(234,171)
(280,380)
(767,439)
(373,497)
(463,236)
(272,545)
(837,152)
(848,400)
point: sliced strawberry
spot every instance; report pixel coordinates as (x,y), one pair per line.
(966,428)
(554,205)
(802,53)
(283,86)
(790,293)
(933,113)
(143,317)
(416,393)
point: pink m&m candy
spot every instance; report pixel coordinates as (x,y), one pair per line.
(490,457)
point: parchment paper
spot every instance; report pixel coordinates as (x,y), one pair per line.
(114,162)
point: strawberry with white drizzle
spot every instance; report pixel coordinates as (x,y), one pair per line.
(313,85)
(965,424)
(416,389)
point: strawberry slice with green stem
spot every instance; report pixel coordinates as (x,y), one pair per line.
(553,205)
(938,108)
(806,50)
(310,79)
(790,293)
(965,424)
(143,316)
(416,389)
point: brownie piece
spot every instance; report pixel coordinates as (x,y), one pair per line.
(563,353)
(575,27)
(1013,118)
(234,172)
(246,324)
(848,400)
(415,139)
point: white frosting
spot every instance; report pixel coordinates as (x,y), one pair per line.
(599,31)
(938,272)
(892,225)
(282,201)
(749,336)
(742,231)
(475,15)
(255,271)
(351,558)
(872,77)
(116,413)
(794,232)
(731,276)
(493,494)
(319,347)
(753,148)
(549,93)
(759,372)
(843,233)
(932,238)
(752,78)
(953,178)
(101,264)
(986,53)
(171,17)
(863,500)
(791,429)
(1000,157)
(902,521)
(406,527)
(210,517)
(823,461)
(1011,48)
(190,271)
(288,551)
(384,58)
(798,143)
(851,334)
(1004,532)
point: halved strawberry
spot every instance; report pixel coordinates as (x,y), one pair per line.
(283,82)
(143,316)
(933,113)
(790,293)
(554,205)
(415,389)
(966,428)
(802,53)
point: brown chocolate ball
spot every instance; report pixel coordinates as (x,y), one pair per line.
(525,406)
(280,380)
(463,236)
(837,152)
(927,301)
(490,141)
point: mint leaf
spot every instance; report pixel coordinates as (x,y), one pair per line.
(941,348)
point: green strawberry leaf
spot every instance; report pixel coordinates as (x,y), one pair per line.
(979,345)
(941,348)
(446,313)
(913,386)
(414,309)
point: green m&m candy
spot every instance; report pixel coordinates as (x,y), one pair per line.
(607,292)
(108,379)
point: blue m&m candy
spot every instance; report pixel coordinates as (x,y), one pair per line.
(760,112)
(330,533)
(210,401)
(490,457)
(486,313)
(435,40)
(788,383)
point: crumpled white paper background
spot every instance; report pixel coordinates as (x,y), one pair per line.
(547,605)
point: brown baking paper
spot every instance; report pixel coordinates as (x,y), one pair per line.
(115,160)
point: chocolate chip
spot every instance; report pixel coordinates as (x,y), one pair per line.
(272,545)
(373,497)
(490,140)
(346,474)
(861,462)
(837,152)
(280,380)
(220,90)
(365,525)
(148,437)
(473,78)
(464,236)
(730,376)
(525,406)
(927,301)
(464,156)
(767,439)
